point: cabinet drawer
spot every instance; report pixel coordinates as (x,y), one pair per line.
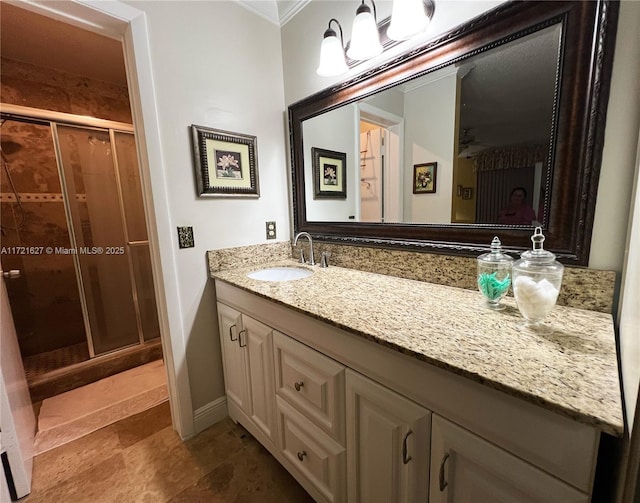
(311,452)
(312,383)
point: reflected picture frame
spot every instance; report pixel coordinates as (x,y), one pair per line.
(424,178)
(329,174)
(225,163)
(467,193)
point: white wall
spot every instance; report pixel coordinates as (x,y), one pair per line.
(337,131)
(430,141)
(302,35)
(621,136)
(210,69)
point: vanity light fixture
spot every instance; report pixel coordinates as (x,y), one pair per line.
(409,18)
(369,39)
(365,38)
(332,57)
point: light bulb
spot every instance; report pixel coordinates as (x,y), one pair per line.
(365,39)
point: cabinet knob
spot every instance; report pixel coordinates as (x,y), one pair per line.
(443,483)
(298,385)
(301,455)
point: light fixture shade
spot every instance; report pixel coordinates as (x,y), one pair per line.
(408,18)
(365,39)
(332,60)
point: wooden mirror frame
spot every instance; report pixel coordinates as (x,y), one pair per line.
(582,93)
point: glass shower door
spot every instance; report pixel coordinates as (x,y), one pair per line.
(99,243)
(136,232)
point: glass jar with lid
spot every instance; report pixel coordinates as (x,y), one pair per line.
(537,278)
(494,275)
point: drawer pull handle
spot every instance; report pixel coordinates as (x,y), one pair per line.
(405,459)
(301,455)
(298,385)
(442,481)
(231,333)
(240,338)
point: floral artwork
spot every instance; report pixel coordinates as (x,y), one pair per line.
(225,162)
(228,164)
(424,178)
(329,174)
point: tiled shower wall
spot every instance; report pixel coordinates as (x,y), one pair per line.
(37,87)
(45,300)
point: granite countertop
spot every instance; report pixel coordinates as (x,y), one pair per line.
(573,371)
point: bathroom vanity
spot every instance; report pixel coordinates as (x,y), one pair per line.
(371,388)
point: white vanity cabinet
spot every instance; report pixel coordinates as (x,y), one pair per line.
(387,444)
(247,349)
(465,467)
(355,421)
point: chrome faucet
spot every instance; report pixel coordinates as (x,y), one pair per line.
(308,236)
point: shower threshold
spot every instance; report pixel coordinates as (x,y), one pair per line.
(45,383)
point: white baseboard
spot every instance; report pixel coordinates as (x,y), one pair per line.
(209,414)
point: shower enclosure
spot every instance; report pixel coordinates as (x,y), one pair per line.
(73,225)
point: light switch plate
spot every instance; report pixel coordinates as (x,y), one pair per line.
(271,230)
(185,237)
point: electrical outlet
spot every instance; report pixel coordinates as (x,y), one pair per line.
(271,230)
(185,237)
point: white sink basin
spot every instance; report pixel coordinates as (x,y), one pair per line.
(280,274)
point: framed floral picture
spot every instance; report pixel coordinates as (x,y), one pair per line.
(225,163)
(329,174)
(424,178)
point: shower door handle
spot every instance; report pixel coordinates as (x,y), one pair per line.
(12,274)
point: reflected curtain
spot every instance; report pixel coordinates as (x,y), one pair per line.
(494,189)
(499,171)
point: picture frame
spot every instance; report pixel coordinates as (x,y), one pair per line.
(467,193)
(225,163)
(329,174)
(424,178)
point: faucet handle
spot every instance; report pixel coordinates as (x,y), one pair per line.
(324,260)
(302,259)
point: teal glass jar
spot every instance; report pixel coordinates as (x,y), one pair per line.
(494,275)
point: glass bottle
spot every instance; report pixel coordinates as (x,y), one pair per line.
(537,278)
(494,275)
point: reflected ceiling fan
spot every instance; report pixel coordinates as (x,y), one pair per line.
(467,145)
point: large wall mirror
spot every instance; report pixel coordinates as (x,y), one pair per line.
(492,129)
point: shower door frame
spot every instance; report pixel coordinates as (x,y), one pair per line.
(53,119)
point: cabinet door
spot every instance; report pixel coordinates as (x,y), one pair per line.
(465,467)
(256,341)
(387,444)
(233,360)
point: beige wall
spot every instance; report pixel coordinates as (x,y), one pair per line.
(218,65)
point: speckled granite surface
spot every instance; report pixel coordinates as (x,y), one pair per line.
(229,258)
(572,371)
(581,287)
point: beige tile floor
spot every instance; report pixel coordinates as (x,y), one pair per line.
(142,459)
